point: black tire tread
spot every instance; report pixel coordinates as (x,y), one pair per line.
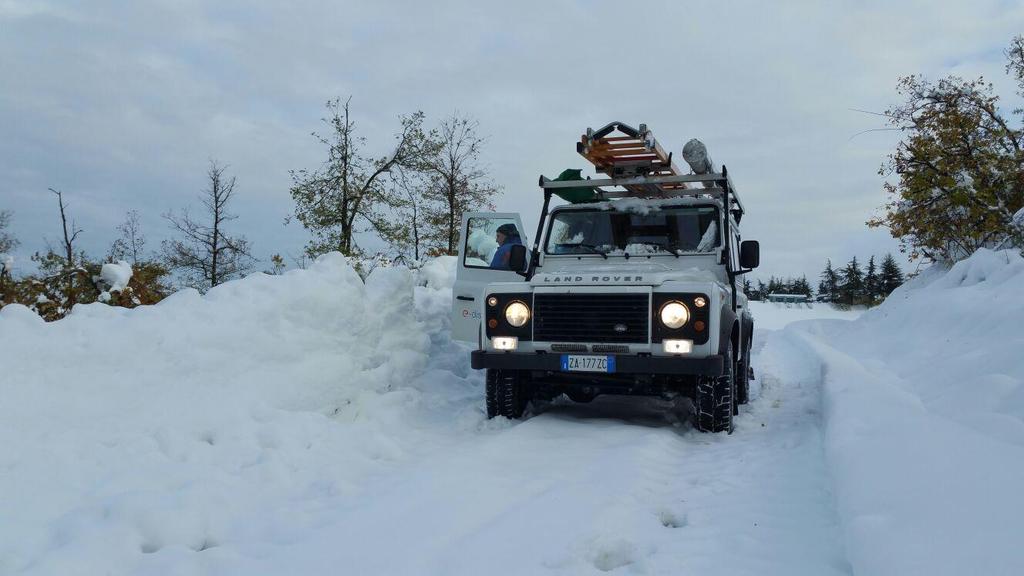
(506,394)
(491,392)
(714,401)
(743,377)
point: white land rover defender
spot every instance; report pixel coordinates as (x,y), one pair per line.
(630,288)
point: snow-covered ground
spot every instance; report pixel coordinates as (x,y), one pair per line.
(311,424)
(924,412)
(776,315)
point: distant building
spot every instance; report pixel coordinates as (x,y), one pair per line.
(799,298)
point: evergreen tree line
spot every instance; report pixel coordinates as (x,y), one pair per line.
(760,290)
(849,285)
(407,204)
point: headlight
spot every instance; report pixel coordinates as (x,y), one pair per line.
(517,314)
(674,314)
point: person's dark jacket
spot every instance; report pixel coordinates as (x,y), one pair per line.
(501,255)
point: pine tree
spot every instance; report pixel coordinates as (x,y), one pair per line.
(762,290)
(828,288)
(891,276)
(802,286)
(872,289)
(852,289)
(747,287)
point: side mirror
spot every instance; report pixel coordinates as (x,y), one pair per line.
(750,254)
(517,258)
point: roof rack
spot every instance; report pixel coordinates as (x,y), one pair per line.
(639,167)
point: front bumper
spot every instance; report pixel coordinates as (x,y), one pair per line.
(624,364)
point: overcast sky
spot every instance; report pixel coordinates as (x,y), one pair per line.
(121,104)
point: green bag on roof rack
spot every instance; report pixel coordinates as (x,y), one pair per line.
(576,194)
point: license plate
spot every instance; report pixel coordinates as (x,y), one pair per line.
(581,363)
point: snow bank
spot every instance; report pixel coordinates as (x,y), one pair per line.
(205,431)
(924,412)
(439,273)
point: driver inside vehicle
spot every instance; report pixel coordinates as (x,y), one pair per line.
(507,236)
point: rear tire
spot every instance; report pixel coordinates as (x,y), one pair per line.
(743,377)
(715,395)
(506,394)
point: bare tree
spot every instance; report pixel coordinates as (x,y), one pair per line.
(7,241)
(412,204)
(69,268)
(205,254)
(347,194)
(457,183)
(131,244)
(404,230)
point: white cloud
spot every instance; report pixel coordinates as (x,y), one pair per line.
(121,104)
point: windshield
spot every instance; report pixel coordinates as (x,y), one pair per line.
(684,230)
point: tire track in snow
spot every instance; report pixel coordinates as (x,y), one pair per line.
(609,486)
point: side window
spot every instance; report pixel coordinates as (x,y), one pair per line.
(488,242)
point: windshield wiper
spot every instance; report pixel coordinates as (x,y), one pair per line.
(593,249)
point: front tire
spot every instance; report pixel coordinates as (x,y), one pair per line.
(580,397)
(715,396)
(506,394)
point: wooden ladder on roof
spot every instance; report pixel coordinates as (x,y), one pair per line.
(621,151)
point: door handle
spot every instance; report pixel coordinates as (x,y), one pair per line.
(466,298)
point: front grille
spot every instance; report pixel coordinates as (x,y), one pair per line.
(610,348)
(568,347)
(591,317)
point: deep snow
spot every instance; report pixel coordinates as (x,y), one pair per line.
(314,424)
(924,404)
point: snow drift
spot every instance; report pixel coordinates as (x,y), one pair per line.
(312,423)
(924,412)
(130,439)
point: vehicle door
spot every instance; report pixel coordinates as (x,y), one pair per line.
(477,247)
